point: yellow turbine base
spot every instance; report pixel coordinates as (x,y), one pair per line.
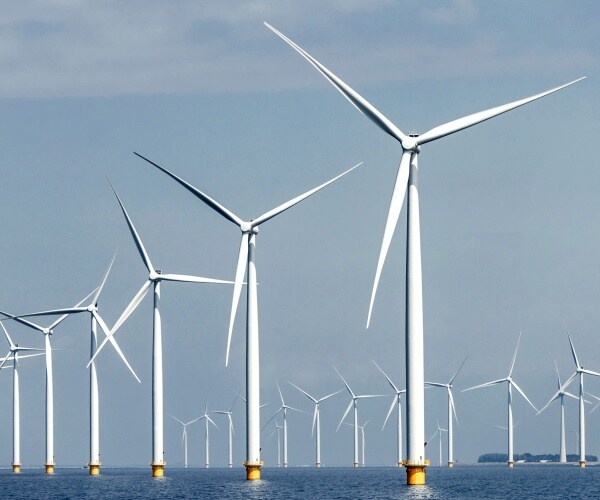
(158,470)
(415,475)
(16,468)
(511,465)
(582,464)
(49,468)
(94,469)
(252,472)
(450,464)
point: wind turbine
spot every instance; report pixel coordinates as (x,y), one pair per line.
(439,432)
(13,353)
(246,263)
(278,431)
(451,411)
(155,277)
(283,410)
(96,319)
(362,433)
(579,370)
(511,383)
(353,404)
(395,401)
(207,419)
(560,395)
(184,437)
(316,419)
(47,332)
(229,413)
(406,180)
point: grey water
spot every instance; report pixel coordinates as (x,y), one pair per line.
(463,482)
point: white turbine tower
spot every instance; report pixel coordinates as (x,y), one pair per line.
(246,263)
(155,277)
(406,180)
(96,319)
(510,384)
(229,414)
(207,419)
(560,395)
(13,353)
(47,332)
(451,411)
(316,419)
(184,437)
(396,401)
(579,370)
(353,404)
(283,410)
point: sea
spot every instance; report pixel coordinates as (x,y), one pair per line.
(525,481)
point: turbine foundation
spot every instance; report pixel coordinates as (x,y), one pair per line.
(49,468)
(16,468)
(582,464)
(94,469)
(355,465)
(450,464)
(318,464)
(158,470)
(510,465)
(415,475)
(252,471)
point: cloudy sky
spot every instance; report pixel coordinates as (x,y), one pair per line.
(509,210)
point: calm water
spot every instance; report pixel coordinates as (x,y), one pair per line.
(465,482)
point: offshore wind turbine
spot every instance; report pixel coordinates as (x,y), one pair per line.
(510,384)
(207,419)
(396,401)
(579,371)
(560,395)
(451,411)
(13,353)
(184,437)
(246,264)
(96,319)
(283,410)
(406,180)
(229,414)
(47,332)
(277,430)
(439,432)
(316,420)
(353,404)
(155,277)
(362,434)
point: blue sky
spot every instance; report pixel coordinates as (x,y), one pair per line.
(509,208)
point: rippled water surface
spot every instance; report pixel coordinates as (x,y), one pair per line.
(465,482)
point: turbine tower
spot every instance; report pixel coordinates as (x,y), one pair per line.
(207,419)
(316,420)
(396,401)
(95,318)
(510,384)
(406,180)
(229,414)
(13,353)
(451,411)
(579,371)
(184,437)
(353,404)
(246,263)
(155,277)
(560,395)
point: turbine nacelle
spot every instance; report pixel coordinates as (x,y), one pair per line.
(410,143)
(248,228)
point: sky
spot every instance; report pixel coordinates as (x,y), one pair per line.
(509,212)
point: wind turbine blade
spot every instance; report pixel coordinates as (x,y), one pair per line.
(211,421)
(303,392)
(435,384)
(175,418)
(363,396)
(294,201)
(344,415)
(99,291)
(523,394)
(23,321)
(557,373)
(184,278)
(280,395)
(359,102)
(568,394)
(392,221)
(475,118)
(237,289)
(5,359)
(590,372)
(486,384)
(330,395)
(385,375)
(345,383)
(389,411)
(271,419)
(568,382)
(35,355)
(10,342)
(314,420)
(64,316)
(459,369)
(193,421)
(217,207)
(512,365)
(51,312)
(112,340)
(573,351)
(136,237)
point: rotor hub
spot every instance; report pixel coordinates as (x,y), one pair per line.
(247,228)
(410,143)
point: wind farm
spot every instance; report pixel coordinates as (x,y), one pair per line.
(500,238)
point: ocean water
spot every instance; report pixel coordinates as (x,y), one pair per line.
(463,482)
